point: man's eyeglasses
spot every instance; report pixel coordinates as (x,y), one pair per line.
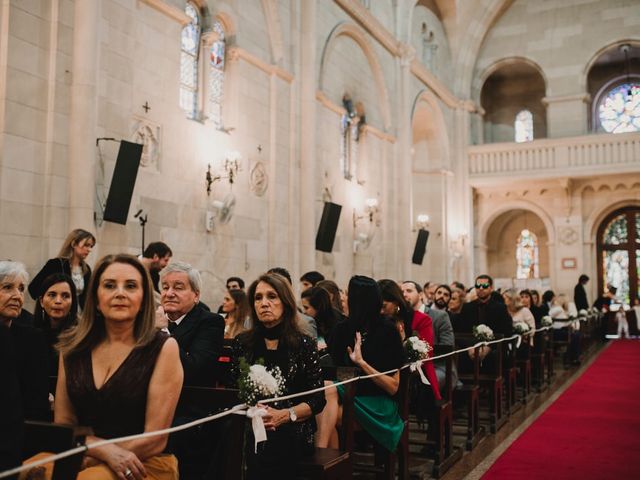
(483,285)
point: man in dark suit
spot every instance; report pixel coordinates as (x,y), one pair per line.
(199,332)
(580,293)
(484,310)
(200,335)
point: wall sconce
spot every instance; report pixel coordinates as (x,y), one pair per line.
(231,168)
(371,211)
(422,221)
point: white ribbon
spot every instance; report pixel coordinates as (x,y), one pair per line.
(518,341)
(418,366)
(259,433)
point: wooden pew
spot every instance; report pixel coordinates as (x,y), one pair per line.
(212,401)
(469,393)
(523,362)
(538,360)
(446,454)
(56,438)
(510,373)
(331,463)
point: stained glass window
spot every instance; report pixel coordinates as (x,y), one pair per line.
(216,74)
(617,231)
(190,46)
(637,216)
(524,126)
(616,268)
(527,255)
(619,109)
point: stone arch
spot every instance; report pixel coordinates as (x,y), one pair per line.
(594,58)
(430,115)
(594,220)
(358,36)
(483,228)
(497,65)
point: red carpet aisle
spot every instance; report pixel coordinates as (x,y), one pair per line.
(590,432)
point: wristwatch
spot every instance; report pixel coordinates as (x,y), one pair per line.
(292,415)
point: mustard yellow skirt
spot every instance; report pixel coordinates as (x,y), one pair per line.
(160,467)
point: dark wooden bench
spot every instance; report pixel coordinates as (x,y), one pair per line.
(510,374)
(446,454)
(56,438)
(468,394)
(524,364)
(538,360)
(549,356)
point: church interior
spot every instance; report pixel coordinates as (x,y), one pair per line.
(425,140)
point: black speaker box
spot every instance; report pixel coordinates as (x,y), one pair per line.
(122,182)
(328,226)
(421,246)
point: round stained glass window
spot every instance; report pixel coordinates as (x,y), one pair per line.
(619,110)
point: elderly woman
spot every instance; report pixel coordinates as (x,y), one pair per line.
(56,311)
(519,313)
(276,339)
(27,349)
(371,342)
(71,261)
(120,375)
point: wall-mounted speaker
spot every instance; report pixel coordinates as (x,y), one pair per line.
(421,246)
(122,182)
(328,226)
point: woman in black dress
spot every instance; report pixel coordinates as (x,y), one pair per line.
(70,260)
(56,311)
(276,339)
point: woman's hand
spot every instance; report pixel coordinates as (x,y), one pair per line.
(274,417)
(125,464)
(356,354)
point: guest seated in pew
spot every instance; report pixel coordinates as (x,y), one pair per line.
(28,349)
(56,311)
(526,298)
(518,312)
(235,308)
(372,343)
(316,302)
(565,327)
(119,375)
(276,338)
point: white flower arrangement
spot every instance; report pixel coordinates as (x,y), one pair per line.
(583,313)
(257,383)
(417,349)
(546,321)
(483,333)
(521,328)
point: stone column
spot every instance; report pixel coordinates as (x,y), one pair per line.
(567,115)
(83,114)
(307,135)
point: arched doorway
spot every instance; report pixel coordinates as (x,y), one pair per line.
(619,253)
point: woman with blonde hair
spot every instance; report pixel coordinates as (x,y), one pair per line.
(519,313)
(120,375)
(71,261)
(235,306)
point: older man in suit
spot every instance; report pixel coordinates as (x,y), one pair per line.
(200,335)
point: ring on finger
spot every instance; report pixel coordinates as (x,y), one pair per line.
(128,473)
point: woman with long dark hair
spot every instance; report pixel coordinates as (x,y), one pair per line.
(71,260)
(56,311)
(372,343)
(316,302)
(235,306)
(276,339)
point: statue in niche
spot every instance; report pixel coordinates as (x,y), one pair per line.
(148,134)
(351,125)
(429,48)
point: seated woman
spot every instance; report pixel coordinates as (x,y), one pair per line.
(566,328)
(409,322)
(372,343)
(119,375)
(518,311)
(70,260)
(276,338)
(316,302)
(235,306)
(56,311)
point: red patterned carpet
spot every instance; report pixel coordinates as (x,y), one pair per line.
(590,432)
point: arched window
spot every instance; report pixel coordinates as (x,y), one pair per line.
(619,108)
(527,255)
(524,126)
(619,253)
(190,47)
(216,74)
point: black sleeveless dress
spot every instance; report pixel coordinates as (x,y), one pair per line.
(119,407)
